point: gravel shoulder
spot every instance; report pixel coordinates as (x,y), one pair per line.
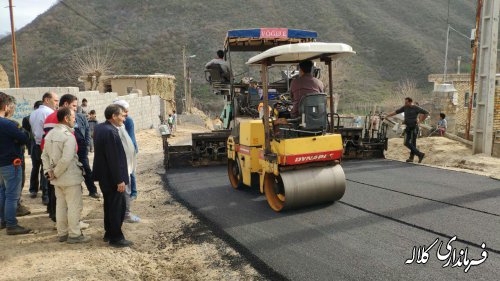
(170,242)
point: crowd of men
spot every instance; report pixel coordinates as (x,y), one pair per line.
(59,134)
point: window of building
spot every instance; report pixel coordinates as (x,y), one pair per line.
(466,101)
(107,88)
(129,89)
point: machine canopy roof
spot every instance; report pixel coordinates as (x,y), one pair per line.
(261,39)
(295,53)
(271,33)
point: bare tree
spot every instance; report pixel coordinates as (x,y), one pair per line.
(405,88)
(92,62)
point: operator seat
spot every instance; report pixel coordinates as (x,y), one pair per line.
(312,111)
(215,75)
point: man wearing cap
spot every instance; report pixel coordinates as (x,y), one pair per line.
(127,135)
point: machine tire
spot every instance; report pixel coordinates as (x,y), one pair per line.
(234,173)
(274,191)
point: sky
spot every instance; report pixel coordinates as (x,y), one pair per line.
(24,12)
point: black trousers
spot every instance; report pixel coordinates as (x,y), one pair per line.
(37,178)
(114,213)
(51,207)
(84,159)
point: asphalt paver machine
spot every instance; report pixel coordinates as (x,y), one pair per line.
(209,148)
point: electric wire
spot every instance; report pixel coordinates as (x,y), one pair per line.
(123,43)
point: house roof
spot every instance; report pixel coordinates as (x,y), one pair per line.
(131,76)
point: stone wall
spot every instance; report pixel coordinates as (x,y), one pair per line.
(144,110)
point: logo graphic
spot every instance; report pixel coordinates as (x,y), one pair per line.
(453,258)
(273,33)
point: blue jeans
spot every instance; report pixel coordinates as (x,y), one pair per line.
(10,191)
(133,186)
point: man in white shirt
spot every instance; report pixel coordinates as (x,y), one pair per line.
(37,119)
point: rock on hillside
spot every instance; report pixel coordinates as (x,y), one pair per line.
(4,79)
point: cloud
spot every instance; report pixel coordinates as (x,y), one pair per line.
(25,11)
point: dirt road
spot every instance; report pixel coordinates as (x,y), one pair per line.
(170,243)
(447,153)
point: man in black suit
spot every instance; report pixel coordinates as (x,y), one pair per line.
(110,170)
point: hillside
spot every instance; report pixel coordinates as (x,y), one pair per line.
(394,39)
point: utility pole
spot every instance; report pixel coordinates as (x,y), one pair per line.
(190,97)
(184,63)
(473,69)
(483,129)
(459,60)
(446,55)
(14,51)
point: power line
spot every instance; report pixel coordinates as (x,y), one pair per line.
(463,35)
(95,25)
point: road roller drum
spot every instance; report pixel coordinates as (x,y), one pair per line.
(299,188)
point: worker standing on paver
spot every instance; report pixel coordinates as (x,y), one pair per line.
(412,120)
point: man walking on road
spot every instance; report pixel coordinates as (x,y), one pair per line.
(110,170)
(60,163)
(413,116)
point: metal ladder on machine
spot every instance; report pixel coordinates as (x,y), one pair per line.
(483,132)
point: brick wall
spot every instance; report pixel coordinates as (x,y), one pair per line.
(461,82)
(144,110)
(462,85)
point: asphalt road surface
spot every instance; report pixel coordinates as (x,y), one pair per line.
(388,209)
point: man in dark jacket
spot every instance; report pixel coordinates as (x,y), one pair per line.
(11,139)
(22,210)
(110,170)
(82,134)
(413,115)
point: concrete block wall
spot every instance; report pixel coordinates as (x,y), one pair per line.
(496,122)
(144,110)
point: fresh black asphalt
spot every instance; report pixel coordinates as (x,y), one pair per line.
(388,208)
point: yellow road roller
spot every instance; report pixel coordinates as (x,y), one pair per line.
(294,161)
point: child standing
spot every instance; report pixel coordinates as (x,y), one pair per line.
(92,123)
(170,122)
